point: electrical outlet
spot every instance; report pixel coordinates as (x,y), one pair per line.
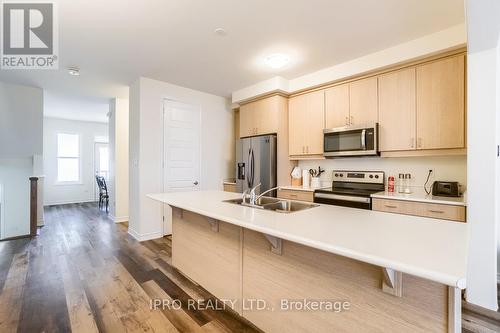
(432,173)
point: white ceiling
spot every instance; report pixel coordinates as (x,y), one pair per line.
(61,105)
(116,41)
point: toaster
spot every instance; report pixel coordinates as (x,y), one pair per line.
(446,189)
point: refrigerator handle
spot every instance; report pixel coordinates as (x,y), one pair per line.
(249,174)
(253,168)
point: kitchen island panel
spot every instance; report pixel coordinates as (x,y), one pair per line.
(209,256)
(302,272)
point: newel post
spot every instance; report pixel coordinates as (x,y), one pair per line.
(33,205)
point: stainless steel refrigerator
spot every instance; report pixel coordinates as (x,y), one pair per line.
(256,163)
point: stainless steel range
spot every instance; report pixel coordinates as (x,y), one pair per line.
(351,189)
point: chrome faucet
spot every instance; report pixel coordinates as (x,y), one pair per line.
(267,191)
(253,196)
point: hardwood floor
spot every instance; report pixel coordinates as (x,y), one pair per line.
(84,273)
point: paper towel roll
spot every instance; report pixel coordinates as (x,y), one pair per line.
(306,178)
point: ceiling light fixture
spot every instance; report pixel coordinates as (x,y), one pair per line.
(277,60)
(74,71)
(220,32)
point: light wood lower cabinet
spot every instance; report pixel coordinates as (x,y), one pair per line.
(438,211)
(229,187)
(209,256)
(296,195)
(305,273)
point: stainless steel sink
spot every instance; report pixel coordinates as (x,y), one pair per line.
(287,206)
(277,205)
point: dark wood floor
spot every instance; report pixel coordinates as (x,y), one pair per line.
(84,273)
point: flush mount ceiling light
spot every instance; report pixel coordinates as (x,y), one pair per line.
(220,32)
(74,71)
(277,60)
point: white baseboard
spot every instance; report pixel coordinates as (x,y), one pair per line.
(65,202)
(118,219)
(144,237)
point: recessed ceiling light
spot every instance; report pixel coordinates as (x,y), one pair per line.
(277,60)
(74,71)
(220,32)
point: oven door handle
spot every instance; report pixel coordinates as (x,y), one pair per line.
(363,139)
(342,197)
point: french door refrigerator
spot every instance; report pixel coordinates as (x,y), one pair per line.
(256,163)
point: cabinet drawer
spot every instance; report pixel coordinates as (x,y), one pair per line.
(438,211)
(296,195)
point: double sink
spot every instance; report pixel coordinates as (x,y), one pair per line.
(273,204)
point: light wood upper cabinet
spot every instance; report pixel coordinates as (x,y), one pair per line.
(296,119)
(337,106)
(306,122)
(363,105)
(352,103)
(397,110)
(260,117)
(441,104)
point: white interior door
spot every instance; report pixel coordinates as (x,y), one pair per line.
(181,151)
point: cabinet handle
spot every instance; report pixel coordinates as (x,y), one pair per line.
(352,120)
(293,195)
(419,143)
(412,143)
(389,206)
(347,120)
(436,211)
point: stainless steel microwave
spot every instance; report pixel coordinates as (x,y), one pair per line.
(351,141)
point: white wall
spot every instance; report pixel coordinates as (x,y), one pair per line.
(483,25)
(146,128)
(21,126)
(84,191)
(451,168)
(14,180)
(21,121)
(118,159)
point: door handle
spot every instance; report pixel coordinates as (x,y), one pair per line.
(196,182)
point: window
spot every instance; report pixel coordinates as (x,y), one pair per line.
(68,157)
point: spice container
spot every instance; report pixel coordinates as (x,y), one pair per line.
(390,184)
(401,181)
(407,183)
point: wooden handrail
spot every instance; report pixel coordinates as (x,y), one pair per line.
(33,205)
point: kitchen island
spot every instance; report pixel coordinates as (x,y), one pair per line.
(397,273)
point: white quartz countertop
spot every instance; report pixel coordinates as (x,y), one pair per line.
(432,249)
(418,194)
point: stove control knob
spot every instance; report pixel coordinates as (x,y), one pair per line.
(371,176)
(336,175)
(341,175)
(376,176)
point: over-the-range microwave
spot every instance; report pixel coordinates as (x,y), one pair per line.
(351,141)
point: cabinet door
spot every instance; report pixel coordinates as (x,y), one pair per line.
(266,116)
(296,125)
(363,101)
(337,106)
(315,122)
(440,104)
(397,110)
(247,120)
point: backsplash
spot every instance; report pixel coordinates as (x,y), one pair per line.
(448,168)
